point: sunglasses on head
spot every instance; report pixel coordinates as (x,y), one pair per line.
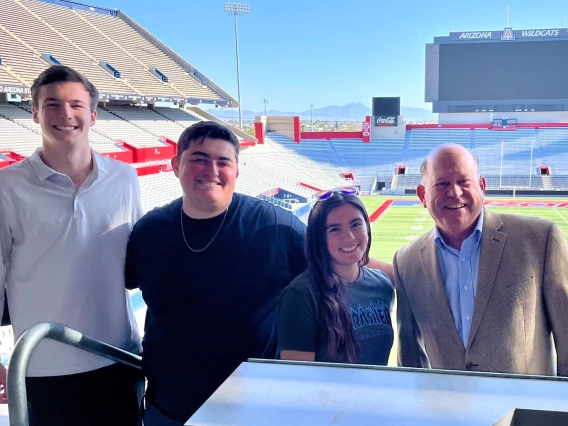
(324,195)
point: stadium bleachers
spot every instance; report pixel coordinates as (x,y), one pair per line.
(281,163)
(32,30)
(69,24)
(118,129)
(180,116)
(27,28)
(33,33)
(426,140)
(410,181)
(514,148)
(284,159)
(378,156)
(382,156)
(554,148)
(14,52)
(133,42)
(150,121)
(17,138)
(22,115)
(158,189)
(421,142)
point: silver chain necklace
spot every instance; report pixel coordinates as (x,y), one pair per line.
(210,241)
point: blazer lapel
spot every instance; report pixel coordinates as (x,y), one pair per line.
(431,267)
(492,244)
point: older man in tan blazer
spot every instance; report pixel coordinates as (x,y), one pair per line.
(481,291)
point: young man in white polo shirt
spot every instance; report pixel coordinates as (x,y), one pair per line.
(65,216)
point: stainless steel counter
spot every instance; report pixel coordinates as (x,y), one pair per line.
(279,393)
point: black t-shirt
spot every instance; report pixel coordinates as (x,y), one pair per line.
(209,311)
(369,301)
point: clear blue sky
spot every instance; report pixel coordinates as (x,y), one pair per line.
(301,52)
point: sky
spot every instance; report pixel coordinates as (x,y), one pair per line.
(300,52)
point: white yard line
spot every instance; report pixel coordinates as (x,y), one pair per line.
(560,216)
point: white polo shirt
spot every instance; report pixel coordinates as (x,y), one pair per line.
(62,257)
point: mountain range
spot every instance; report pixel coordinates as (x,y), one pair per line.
(355,111)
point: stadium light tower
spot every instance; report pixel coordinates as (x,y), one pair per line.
(312,117)
(265,102)
(237,9)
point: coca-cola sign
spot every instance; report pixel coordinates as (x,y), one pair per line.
(386,120)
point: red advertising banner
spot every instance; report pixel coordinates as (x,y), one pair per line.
(297,130)
(259,132)
(366,128)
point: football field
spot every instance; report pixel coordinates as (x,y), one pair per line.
(405,219)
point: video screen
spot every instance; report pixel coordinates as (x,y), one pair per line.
(502,71)
(386,106)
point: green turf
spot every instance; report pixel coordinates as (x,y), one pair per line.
(399,225)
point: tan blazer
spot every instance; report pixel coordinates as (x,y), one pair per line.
(520,304)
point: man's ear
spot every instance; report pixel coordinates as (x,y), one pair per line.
(175,165)
(482,184)
(35,115)
(421,192)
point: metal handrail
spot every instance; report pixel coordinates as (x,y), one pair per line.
(17,395)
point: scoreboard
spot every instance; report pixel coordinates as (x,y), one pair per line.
(500,71)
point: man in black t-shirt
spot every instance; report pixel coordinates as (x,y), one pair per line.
(210,266)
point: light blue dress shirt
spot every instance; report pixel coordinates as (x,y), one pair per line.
(459,270)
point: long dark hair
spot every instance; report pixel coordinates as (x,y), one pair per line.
(334,318)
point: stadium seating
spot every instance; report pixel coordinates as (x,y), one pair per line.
(133,42)
(554,148)
(22,115)
(92,43)
(406,181)
(426,140)
(422,141)
(183,117)
(368,159)
(120,130)
(33,31)
(17,138)
(14,52)
(284,159)
(410,181)
(255,179)
(27,28)
(148,120)
(513,147)
(281,163)
(158,189)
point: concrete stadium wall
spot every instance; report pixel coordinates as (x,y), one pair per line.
(487,117)
(282,125)
(389,132)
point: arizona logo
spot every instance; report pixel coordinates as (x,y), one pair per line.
(508,34)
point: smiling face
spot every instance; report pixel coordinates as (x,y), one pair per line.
(453,193)
(346,236)
(207,171)
(63,111)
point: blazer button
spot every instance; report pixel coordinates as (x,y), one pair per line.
(470,365)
